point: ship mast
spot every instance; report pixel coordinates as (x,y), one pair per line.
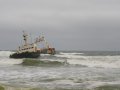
(25,38)
(42,39)
(46,43)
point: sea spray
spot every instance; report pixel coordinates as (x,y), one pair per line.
(7,61)
(5,53)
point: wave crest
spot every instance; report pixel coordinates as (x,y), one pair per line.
(36,62)
(7,61)
(5,53)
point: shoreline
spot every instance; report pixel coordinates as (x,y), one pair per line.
(17,87)
(8,87)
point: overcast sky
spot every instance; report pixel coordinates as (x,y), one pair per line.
(66,24)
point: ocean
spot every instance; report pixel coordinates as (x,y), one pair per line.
(67,70)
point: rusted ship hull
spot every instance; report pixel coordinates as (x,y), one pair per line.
(25,55)
(50,51)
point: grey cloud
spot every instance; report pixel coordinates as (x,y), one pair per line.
(67,24)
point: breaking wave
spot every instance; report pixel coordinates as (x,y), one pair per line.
(91,61)
(74,53)
(7,61)
(64,58)
(5,53)
(36,62)
(97,61)
(49,71)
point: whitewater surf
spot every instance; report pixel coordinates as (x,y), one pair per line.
(65,70)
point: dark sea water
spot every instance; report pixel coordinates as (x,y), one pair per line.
(67,70)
